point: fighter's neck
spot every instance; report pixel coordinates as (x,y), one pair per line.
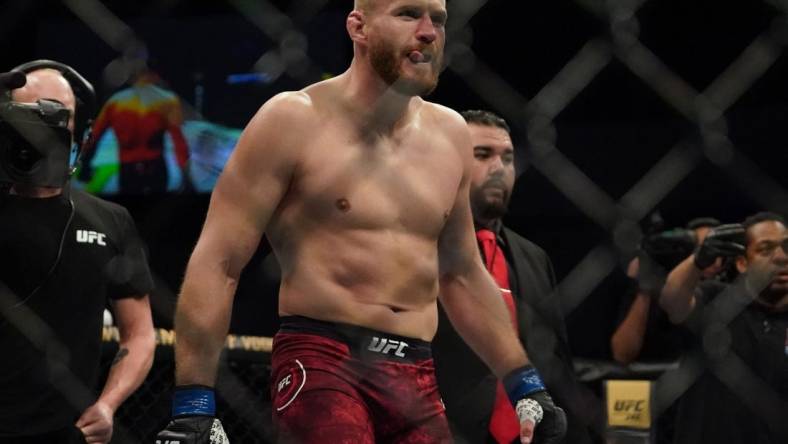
(380,108)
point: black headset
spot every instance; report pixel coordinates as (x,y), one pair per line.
(85,96)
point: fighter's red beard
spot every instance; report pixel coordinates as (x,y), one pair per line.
(386,62)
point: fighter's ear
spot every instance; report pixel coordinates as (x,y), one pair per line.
(356,26)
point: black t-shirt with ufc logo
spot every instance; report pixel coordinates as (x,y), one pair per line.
(52,304)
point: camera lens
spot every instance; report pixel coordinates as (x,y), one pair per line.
(23,159)
(18,156)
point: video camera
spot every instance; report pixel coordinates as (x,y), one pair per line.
(36,146)
(35,143)
(667,247)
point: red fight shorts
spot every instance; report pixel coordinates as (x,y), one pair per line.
(336,383)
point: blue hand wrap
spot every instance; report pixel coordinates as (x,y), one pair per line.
(522,382)
(193,400)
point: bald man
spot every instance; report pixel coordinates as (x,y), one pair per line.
(66,255)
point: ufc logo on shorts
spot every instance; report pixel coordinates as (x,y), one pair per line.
(384,345)
(91,237)
(284,383)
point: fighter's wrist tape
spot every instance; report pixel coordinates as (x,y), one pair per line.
(193,400)
(522,382)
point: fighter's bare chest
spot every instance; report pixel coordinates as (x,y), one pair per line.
(409,182)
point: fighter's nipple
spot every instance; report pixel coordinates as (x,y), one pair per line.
(343,205)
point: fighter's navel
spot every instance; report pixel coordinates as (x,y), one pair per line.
(343,205)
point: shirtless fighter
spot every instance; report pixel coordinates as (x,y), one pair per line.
(362,189)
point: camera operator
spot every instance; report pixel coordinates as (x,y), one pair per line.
(644,332)
(738,358)
(66,254)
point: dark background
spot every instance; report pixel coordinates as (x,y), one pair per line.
(614,130)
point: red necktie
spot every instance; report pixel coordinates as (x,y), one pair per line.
(504,424)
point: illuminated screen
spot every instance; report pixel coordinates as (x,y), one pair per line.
(169,124)
(209,146)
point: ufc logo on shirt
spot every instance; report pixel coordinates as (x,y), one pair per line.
(91,237)
(384,345)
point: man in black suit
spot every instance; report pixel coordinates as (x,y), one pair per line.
(475,405)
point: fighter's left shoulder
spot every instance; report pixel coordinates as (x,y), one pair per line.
(449,122)
(443,116)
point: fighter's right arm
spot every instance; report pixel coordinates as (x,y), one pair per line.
(247,193)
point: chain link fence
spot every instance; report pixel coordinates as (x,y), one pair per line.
(667,132)
(243,403)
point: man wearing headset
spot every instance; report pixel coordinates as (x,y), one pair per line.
(65,255)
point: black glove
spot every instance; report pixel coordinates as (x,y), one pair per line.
(722,241)
(193,430)
(532,402)
(193,422)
